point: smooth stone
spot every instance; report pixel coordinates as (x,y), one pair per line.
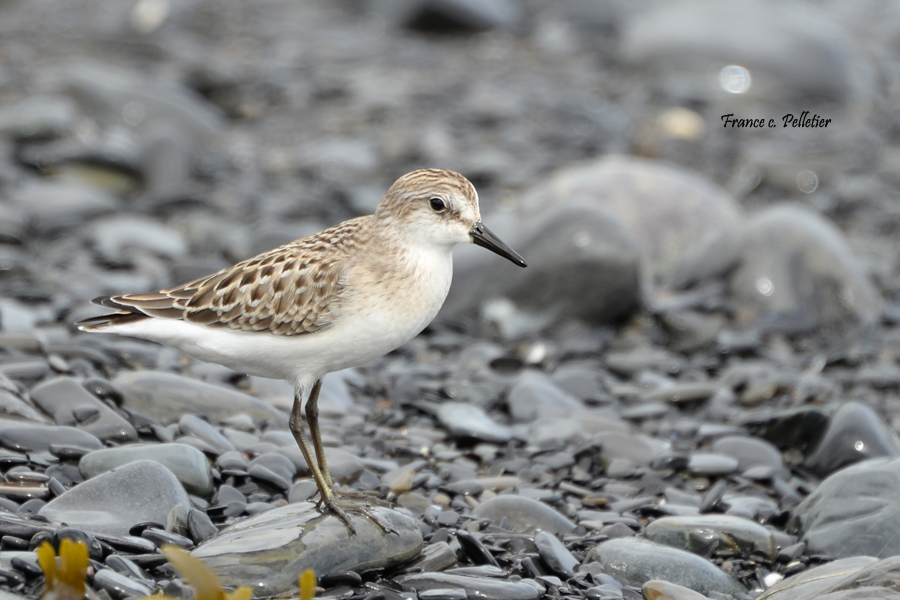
(63,397)
(465,420)
(475,587)
(345,466)
(120,586)
(639,449)
(451,15)
(800,428)
(115,237)
(682,393)
(52,204)
(683,42)
(663,590)
(39,438)
(111,503)
(555,555)
(188,464)
(197,427)
(749,452)
(38,117)
(166,397)
(556,431)
(712,464)
(668,209)
(535,396)
(742,535)
(789,268)
(637,561)
(582,264)
(524,515)
(814,583)
(855,433)
(853,512)
(14,407)
(268,551)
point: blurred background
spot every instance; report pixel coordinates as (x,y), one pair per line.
(145,143)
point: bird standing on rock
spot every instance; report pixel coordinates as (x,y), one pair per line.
(330,301)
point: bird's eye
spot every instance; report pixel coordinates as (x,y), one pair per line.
(437,205)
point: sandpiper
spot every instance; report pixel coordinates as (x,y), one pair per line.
(330,301)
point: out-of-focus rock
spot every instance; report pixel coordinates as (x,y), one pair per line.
(38,118)
(855,433)
(744,45)
(449,15)
(854,512)
(789,267)
(589,234)
(52,205)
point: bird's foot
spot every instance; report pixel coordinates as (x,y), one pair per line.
(340,503)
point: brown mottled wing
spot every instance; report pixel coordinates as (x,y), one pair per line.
(292,290)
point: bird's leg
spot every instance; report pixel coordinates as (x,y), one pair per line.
(318,466)
(312,419)
(325,491)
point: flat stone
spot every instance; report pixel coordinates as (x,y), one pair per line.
(39,438)
(524,514)
(268,551)
(469,421)
(166,397)
(637,561)
(742,535)
(112,503)
(853,512)
(188,464)
(64,397)
(475,587)
(855,433)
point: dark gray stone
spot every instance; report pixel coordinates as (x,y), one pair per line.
(188,464)
(853,512)
(475,587)
(64,398)
(637,561)
(855,433)
(741,535)
(166,397)
(524,514)
(139,492)
(268,551)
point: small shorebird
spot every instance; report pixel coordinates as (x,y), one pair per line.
(333,300)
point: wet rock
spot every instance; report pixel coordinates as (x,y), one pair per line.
(475,587)
(450,15)
(70,404)
(744,537)
(581,264)
(116,238)
(49,205)
(637,561)
(789,267)
(469,421)
(195,426)
(119,585)
(814,583)
(38,117)
(855,433)
(113,502)
(188,464)
(524,515)
(853,512)
(749,452)
(684,42)
(166,397)
(13,407)
(268,551)
(534,396)
(668,210)
(555,555)
(663,590)
(39,438)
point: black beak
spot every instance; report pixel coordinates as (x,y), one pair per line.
(484,237)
